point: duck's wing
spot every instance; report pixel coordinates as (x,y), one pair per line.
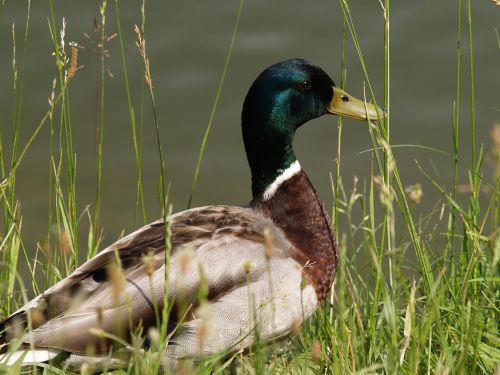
(219,247)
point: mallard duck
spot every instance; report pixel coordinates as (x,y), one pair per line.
(265,266)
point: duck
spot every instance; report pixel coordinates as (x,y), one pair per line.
(263,267)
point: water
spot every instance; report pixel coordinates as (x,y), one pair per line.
(187,43)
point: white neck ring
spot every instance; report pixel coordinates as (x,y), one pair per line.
(285,174)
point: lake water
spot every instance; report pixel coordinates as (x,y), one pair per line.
(187,43)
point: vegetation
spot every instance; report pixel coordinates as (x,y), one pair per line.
(424,303)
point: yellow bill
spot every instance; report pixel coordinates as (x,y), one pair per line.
(344,104)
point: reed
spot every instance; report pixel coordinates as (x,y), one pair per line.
(442,319)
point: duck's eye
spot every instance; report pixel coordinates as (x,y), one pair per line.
(345,98)
(304,85)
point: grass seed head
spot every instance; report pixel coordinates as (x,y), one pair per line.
(186,255)
(183,367)
(316,351)
(268,243)
(495,137)
(37,318)
(247,267)
(296,327)
(65,242)
(149,265)
(415,193)
(385,193)
(14,330)
(205,314)
(304,282)
(63,33)
(73,62)
(44,245)
(99,314)
(154,337)
(85,369)
(116,279)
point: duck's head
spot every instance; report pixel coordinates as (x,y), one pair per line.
(283,97)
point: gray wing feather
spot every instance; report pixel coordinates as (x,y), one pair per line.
(219,240)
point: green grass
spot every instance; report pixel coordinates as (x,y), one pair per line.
(389,314)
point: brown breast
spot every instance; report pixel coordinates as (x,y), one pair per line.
(298,211)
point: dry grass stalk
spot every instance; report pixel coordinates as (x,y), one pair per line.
(408,323)
(14,50)
(52,97)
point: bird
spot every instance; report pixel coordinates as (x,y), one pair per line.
(230,275)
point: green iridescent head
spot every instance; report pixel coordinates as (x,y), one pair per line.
(283,97)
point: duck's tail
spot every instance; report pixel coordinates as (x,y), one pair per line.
(68,361)
(16,350)
(20,353)
(13,350)
(27,356)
